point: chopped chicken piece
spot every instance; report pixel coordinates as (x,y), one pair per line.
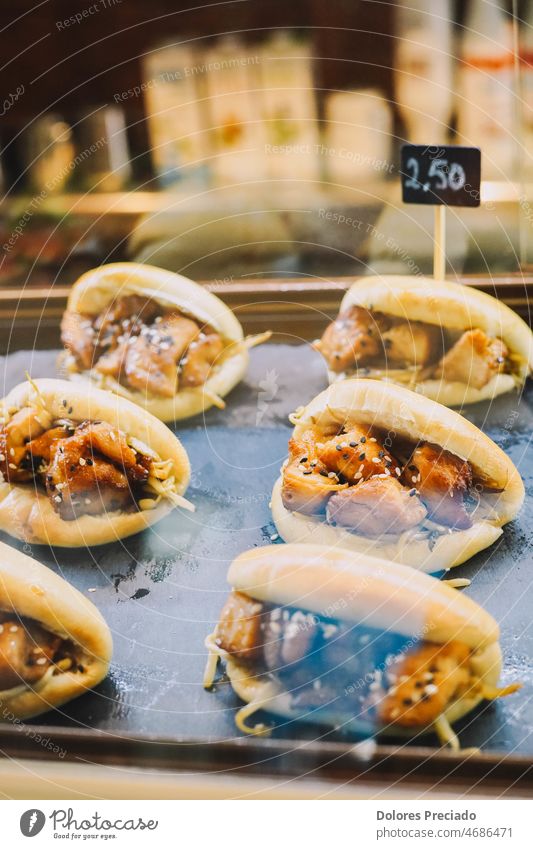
(111,363)
(306,489)
(443,481)
(93,471)
(307,483)
(357,455)
(354,338)
(41,447)
(376,506)
(26,652)
(151,360)
(474,360)
(425,682)
(202,354)
(78,336)
(411,343)
(239,628)
(127,314)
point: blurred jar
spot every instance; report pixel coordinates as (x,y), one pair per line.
(357,141)
(424,69)
(48,152)
(102,156)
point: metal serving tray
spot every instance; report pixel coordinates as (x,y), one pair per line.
(161,591)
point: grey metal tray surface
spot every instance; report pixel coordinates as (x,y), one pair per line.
(161,591)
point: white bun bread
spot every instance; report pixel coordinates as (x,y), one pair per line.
(96,289)
(409,415)
(367,590)
(25,510)
(453,306)
(29,589)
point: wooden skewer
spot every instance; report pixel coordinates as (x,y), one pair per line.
(439,243)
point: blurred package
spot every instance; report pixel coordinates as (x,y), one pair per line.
(485,102)
(234,117)
(48,152)
(526,77)
(103,151)
(357,141)
(424,69)
(288,107)
(176,126)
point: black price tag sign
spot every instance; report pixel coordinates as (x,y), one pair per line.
(440,174)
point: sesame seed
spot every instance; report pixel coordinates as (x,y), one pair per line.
(338,447)
(12,452)
(304,460)
(58,499)
(308,472)
(412,492)
(332,475)
(41,661)
(87,501)
(81,461)
(362,456)
(358,476)
(313,463)
(345,456)
(12,466)
(372,439)
(431,689)
(398,471)
(89,462)
(353,444)
(274,537)
(363,439)
(381,455)
(13,628)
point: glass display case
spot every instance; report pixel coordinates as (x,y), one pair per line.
(277,146)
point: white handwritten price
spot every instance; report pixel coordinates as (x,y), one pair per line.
(446,176)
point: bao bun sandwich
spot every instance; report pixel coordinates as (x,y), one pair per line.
(154,337)
(54,644)
(324,635)
(81,466)
(447,341)
(377,468)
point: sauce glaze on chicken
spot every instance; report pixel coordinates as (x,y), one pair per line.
(143,345)
(379,677)
(362,339)
(84,468)
(27,651)
(360,479)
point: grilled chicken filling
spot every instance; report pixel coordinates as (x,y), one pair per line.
(143,346)
(86,468)
(360,338)
(354,670)
(27,651)
(362,485)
